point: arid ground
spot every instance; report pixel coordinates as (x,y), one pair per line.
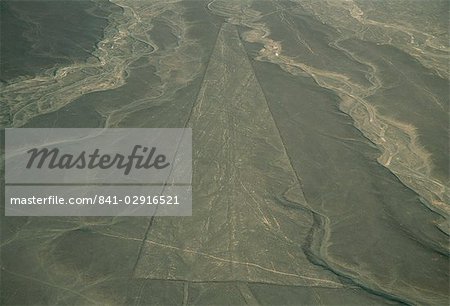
(320,149)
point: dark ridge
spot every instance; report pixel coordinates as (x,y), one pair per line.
(40,35)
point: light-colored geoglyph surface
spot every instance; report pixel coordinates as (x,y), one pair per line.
(242,225)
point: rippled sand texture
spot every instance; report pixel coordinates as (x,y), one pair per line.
(320,156)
